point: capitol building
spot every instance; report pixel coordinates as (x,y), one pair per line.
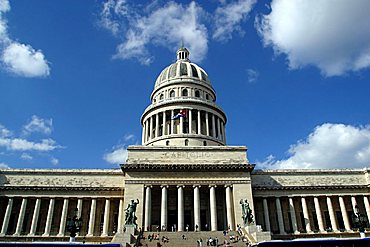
(185,177)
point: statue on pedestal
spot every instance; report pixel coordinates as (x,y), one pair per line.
(130,215)
(247,215)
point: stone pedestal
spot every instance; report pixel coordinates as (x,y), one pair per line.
(127,238)
(255,233)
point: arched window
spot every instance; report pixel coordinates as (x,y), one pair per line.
(204,143)
(167,143)
(161,96)
(172,93)
(194,71)
(186,142)
(197,94)
(184,92)
(154,100)
(207,96)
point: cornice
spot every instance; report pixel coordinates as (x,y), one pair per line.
(321,187)
(59,188)
(311,171)
(113,172)
(187,167)
(187,182)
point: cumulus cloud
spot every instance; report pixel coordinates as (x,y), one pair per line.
(4,132)
(252,75)
(26,156)
(17,58)
(19,144)
(228,18)
(328,146)
(3,165)
(40,125)
(54,161)
(117,156)
(110,15)
(333,35)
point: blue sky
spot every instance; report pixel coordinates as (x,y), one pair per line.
(292,77)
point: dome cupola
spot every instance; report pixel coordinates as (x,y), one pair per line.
(183,110)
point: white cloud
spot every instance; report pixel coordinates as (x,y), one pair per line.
(4,132)
(165,26)
(333,35)
(252,75)
(228,18)
(117,156)
(26,156)
(328,146)
(19,144)
(129,137)
(54,161)
(3,165)
(20,59)
(40,125)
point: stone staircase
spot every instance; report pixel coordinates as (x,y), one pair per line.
(176,239)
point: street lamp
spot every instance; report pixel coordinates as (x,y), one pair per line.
(359,221)
(73,225)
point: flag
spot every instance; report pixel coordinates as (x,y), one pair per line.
(182,113)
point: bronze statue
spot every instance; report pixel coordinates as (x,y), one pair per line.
(247,215)
(130,215)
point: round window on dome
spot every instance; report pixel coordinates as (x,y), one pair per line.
(161,96)
(172,93)
(197,94)
(184,92)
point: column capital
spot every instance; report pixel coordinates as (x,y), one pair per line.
(164,185)
(148,186)
(228,185)
(197,185)
(180,186)
(212,185)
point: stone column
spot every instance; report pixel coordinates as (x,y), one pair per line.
(106,218)
(22,211)
(8,212)
(120,216)
(207,124)
(172,122)
(222,130)
(266,214)
(164,207)
(292,216)
(213,126)
(164,132)
(229,208)
(347,226)
(219,128)
(180,208)
(63,218)
(319,214)
(213,207)
(306,215)
(49,218)
(280,216)
(148,207)
(354,203)
(35,217)
(367,206)
(143,134)
(157,125)
(90,231)
(150,127)
(79,207)
(197,207)
(190,121)
(333,222)
(181,125)
(199,124)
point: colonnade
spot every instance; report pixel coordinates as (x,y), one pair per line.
(196,122)
(212,221)
(309,214)
(108,227)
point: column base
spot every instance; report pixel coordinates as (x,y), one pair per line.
(60,235)
(89,235)
(30,235)
(2,234)
(104,235)
(16,234)
(45,235)
(297,232)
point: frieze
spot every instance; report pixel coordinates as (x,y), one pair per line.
(187,182)
(55,188)
(310,187)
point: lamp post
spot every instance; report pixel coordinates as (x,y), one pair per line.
(73,225)
(359,221)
